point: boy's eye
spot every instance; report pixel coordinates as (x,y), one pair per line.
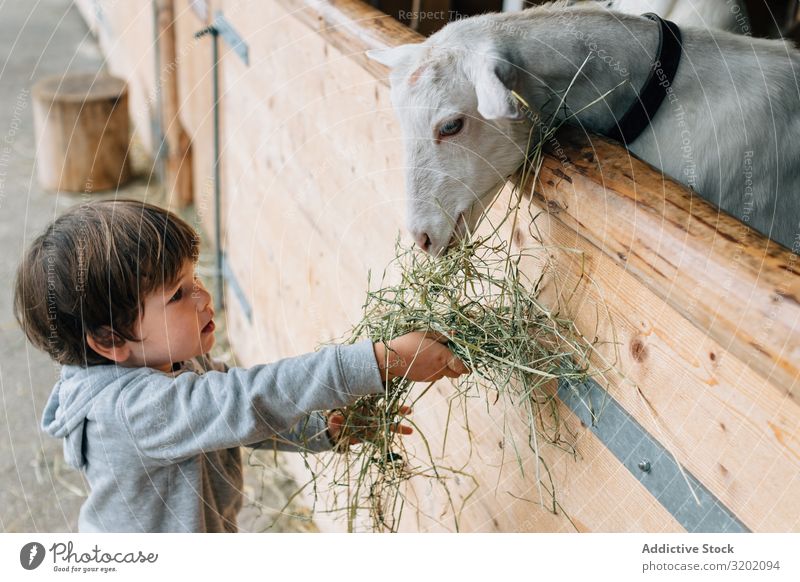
(177,296)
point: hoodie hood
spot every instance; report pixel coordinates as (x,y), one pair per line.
(69,405)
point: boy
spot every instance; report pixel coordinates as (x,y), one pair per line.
(109,292)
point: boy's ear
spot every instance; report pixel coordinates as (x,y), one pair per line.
(109,345)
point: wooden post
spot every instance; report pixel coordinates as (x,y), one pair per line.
(83,132)
(178,167)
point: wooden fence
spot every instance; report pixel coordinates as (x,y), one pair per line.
(704,313)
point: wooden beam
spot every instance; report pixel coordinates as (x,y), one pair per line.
(353,27)
(729,281)
(178,166)
(195,97)
(722,421)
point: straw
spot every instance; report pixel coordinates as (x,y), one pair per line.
(518,349)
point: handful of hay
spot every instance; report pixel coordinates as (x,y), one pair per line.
(516,347)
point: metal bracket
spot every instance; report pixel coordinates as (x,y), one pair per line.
(222,28)
(231,37)
(648,460)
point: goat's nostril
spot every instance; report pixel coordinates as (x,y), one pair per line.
(424,241)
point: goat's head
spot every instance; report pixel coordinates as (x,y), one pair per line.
(463,131)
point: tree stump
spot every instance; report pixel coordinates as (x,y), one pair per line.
(82,131)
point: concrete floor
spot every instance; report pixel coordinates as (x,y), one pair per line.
(38,492)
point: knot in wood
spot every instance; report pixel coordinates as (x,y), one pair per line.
(638,349)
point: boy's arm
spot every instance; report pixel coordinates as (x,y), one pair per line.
(310,435)
(171,419)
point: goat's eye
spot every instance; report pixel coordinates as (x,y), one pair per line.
(451,127)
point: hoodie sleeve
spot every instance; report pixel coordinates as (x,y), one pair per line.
(172,419)
(309,435)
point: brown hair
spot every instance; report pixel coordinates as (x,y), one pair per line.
(90,272)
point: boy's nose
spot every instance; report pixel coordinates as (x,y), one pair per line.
(202,296)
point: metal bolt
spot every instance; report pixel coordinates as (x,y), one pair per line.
(645,466)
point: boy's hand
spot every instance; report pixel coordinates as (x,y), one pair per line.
(336,424)
(419,356)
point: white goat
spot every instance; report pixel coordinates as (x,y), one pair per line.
(730,129)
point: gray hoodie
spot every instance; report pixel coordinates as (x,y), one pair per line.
(161,451)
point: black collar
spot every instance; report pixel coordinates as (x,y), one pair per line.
(658,84)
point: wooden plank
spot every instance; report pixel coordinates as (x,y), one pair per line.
(195,98)
(732,429)
(193,67)
(770,288)
(178,163)
(687,369)
(304,294)
(318,168)
(312,165)
(727,280)
(592,493)
(745,405)
(352,27)
(126,33)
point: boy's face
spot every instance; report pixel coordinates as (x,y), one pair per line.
(177,324)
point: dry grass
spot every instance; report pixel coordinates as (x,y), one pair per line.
(517,347)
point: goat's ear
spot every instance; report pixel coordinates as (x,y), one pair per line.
(392,57)
(495,100)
